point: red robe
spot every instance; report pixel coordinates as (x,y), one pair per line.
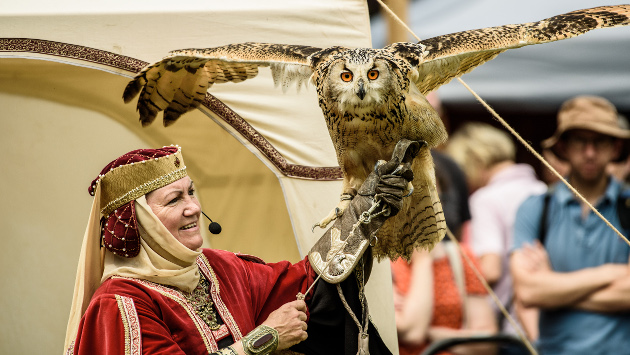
(131,316)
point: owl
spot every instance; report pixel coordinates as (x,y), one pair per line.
(370,99)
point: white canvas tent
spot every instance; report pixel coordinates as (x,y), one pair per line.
(262,160)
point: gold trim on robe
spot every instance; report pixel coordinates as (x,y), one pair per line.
(131,324)
(206,269)
(209,336)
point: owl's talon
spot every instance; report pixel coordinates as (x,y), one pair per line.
(324,222)
(333,215)
(410,188)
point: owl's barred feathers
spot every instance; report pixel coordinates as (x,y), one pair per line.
(370,98)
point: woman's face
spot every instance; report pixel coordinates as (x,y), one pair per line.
(178,209)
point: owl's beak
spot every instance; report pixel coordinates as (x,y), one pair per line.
(361,92)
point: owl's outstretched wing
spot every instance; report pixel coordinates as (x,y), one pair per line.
(178,83)
(443,58)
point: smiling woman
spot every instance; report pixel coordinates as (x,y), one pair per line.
(154,277)
(152,288)
(178,209)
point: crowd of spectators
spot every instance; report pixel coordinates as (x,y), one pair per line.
(555,265)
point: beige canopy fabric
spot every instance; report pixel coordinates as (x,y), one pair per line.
(262,161)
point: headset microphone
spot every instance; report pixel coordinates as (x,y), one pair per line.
(214,227)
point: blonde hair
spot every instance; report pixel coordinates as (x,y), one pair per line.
(478,146)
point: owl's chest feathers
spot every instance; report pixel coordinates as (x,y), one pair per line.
(382,122)
(363,136)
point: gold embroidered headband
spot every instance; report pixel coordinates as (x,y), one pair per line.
(123,181)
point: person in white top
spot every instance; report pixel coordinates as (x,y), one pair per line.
(500,185)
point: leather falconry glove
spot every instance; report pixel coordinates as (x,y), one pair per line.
(340,249)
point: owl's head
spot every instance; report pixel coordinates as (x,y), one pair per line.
(360,79)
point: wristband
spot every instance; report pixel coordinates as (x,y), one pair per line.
(260,341)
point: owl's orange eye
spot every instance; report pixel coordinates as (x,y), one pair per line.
(346,76)
(373,74)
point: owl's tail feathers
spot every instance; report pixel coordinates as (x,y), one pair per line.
(428,205)
(420,223)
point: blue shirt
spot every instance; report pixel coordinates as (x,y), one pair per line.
(574,243)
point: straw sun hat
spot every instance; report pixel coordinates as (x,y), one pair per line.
(590,113)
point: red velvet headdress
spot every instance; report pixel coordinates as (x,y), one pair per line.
(123,181)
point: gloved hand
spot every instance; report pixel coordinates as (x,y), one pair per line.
(339,250)
(389,181)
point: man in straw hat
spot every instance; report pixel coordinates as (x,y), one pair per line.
(145,286)
(565,259)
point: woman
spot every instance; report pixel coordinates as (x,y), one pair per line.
(152,290)
(488,156)
(437,296)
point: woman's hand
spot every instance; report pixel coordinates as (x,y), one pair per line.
(415,310)
(290,322)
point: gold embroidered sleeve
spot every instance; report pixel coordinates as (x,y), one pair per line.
(131,324)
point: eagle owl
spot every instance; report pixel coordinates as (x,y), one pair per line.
(370,98)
